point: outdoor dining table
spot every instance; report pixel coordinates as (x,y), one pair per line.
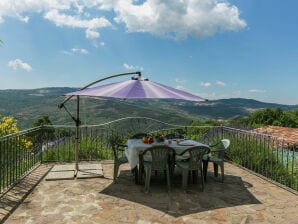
(136,146)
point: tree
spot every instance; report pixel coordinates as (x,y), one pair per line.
(276,117)
(48,132)
(43,120)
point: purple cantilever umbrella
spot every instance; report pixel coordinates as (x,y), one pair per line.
(136,88)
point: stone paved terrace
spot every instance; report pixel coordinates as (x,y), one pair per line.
(242,198)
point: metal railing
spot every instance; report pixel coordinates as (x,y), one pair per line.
(263,154)
(268,156)
(19,153)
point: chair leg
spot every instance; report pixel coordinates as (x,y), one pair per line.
(195,176)
(205,169)
(140,175)
(215,165)
(136,173)
(222,172)
(184,179)
(116,168)
(168,179)
(202,179)
(147,179)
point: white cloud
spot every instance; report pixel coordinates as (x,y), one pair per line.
(169,18)
(61,19)
(180,80)
(17,8)
(19,64)
(66,52)
(206,84)
(219,95)
(97,44)
(91,34)
(179,19)
(24,19)
(220,83)
(257,91)
(80,50)
(75,50)
(132,67)
(180,87)
(91,25)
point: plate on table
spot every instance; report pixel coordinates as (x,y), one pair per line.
(187,143)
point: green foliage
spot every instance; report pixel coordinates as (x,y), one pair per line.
(261,156)
(90,148)
(43,120)
(276,117)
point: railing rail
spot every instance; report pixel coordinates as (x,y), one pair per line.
(266,155)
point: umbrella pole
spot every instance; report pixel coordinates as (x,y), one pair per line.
(77,135)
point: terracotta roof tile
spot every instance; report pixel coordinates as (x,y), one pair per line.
(288,135)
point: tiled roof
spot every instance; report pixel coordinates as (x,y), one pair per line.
(288,135)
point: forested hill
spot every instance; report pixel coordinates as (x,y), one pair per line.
(27,105)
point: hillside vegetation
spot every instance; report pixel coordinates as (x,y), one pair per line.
(275,117)
(28,105)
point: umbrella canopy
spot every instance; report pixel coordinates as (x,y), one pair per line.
(137,88)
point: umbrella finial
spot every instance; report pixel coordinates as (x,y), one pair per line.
(138,77)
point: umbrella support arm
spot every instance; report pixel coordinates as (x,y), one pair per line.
(97,81)
(77,121)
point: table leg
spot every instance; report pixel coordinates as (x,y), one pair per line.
(141,170)
(136,173)
(205,169)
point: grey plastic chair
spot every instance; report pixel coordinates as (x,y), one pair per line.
(117,150)
(193,164)
(221,146)
(162,158)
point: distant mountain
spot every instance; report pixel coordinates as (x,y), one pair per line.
(28,105)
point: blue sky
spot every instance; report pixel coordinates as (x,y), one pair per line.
(215,49)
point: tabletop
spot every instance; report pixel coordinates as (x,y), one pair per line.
(134,146)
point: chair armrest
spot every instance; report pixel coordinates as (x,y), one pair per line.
(181,154)
(217,150)
(216,144)
(121,145)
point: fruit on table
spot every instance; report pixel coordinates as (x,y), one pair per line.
(150,140)
(147,140)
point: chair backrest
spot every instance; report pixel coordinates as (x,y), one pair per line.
(161,156)
(225,143)
(115,148)
(113,145)
(139,135)
(196,155)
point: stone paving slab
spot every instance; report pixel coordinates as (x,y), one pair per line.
(81,174)
(95,166)
(60,175)
(64,167)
